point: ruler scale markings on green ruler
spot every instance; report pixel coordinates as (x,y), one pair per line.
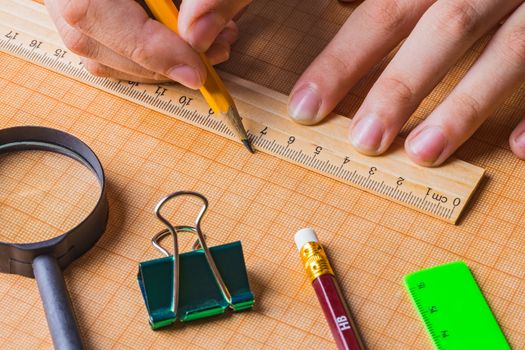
(27,32)
(455,313)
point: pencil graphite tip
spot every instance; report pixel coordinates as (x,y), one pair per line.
(234,122)
(248,145)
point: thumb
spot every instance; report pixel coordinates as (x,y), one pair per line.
(201,21)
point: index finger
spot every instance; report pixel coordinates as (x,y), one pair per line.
(370,33)
(201,21)
(124,26)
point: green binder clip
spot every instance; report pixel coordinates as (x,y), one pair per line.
(196,284)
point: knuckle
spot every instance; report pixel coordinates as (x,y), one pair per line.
(333,59)
(397,90)
(79,43)
(141,53)
(468,110)
(75,12)
(143,50)
(458,18)
(157,77)
(388,15)
(97,69)
(514,44)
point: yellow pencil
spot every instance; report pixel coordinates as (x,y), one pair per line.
(213,89)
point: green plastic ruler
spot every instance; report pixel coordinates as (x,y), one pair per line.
(455,313)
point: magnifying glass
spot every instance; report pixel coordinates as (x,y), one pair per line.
(53,208)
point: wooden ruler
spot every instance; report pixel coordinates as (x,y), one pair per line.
(28,33)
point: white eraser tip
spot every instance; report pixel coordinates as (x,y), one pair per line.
(304,236)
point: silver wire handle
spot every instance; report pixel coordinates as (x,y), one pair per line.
(160,236)
(174,230)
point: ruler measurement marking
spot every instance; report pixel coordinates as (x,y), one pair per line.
(403,195)
(353,176)
(411,198)
(372,184)
(362,183)
(381,187)
(437,209)
(296,155)
(400,194)
(443,211)
(428,205)
(326,166)
(337,172)
(422,202)
(434,207)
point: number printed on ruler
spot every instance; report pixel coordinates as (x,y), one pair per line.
(324,155)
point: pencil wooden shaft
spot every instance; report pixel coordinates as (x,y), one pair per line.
(222,103)
(336,313)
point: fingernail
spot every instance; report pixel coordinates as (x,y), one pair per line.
(428,144)
(186,75)
(520,140)
(204,30)
(304,105)
(367,134)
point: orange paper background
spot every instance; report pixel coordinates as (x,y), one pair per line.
(262,201)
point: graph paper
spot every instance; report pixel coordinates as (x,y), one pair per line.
(263,201)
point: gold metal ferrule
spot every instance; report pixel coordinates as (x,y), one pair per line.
(315,260)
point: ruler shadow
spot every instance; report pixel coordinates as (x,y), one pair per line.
(485,180)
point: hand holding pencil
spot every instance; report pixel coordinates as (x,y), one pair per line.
(118,39)
(213,89)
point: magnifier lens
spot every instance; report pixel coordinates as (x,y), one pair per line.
(43,194)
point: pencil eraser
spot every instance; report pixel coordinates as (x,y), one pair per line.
(304,236)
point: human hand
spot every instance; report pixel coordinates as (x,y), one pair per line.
(117,38)
(437,34)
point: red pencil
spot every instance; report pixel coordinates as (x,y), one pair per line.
(327,289)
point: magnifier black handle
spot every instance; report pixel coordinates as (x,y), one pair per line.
(59,314)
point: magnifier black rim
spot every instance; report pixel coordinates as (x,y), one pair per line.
(18,257)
